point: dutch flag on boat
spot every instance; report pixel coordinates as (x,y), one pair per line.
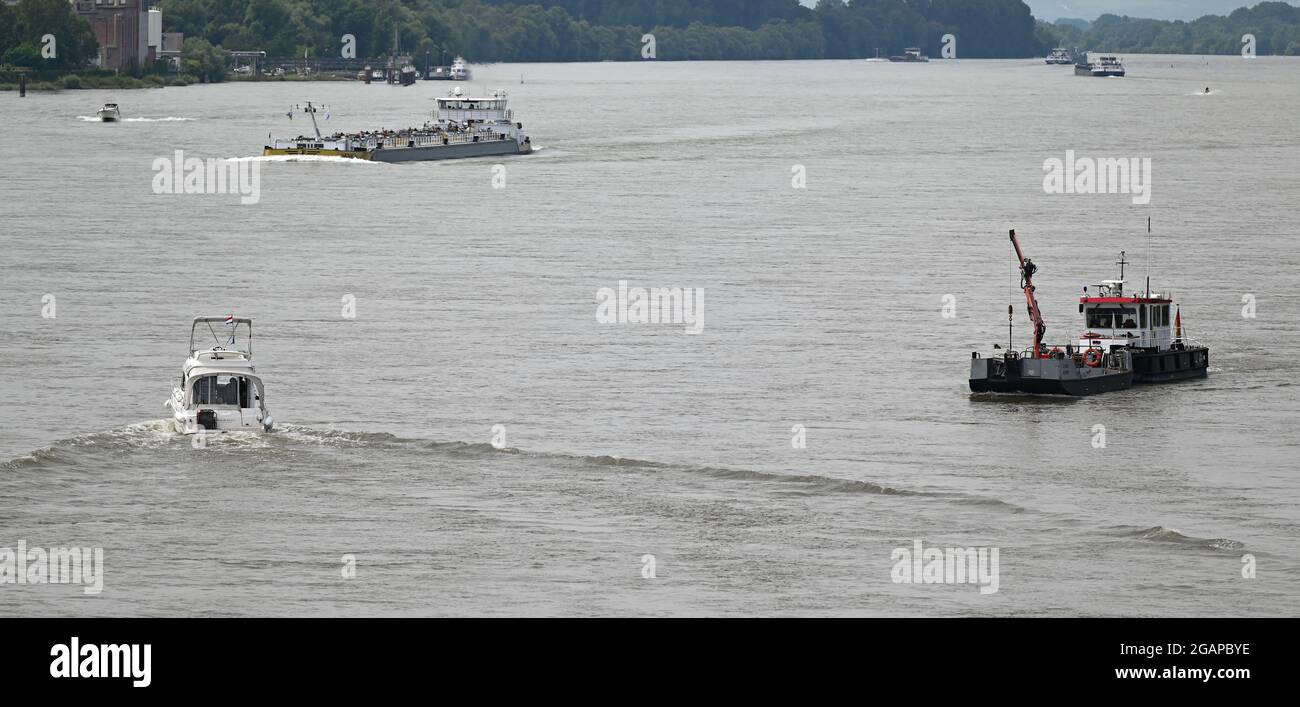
(230,319)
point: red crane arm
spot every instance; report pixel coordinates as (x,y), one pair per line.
(1027,270)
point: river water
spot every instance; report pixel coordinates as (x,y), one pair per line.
(406,317)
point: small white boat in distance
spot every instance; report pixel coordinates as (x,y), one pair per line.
(109,113)
(459,70)
(219,389)
(1060,55)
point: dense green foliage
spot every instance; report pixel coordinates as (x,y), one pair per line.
(595,30)
(23,25)
(1275,25)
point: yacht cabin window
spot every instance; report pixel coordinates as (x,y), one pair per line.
(221,389)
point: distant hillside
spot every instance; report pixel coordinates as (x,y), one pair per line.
(1275,25)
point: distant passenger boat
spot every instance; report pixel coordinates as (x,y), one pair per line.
(910,55)
(1102,66)
(459,70)
(109,113)
(1060,56)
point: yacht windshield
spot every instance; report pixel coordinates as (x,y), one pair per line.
(222,389)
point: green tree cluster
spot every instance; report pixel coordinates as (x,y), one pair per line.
(1275,26)
(594,30)
(23,25)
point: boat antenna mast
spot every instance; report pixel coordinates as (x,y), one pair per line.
(311,111)
(1027,270)
(1148,292)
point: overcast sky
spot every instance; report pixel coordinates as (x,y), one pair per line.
(1158,9)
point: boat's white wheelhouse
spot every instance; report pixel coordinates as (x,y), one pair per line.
(1112,319)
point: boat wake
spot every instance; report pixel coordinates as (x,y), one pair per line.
(1169,535)
(158,435)
(168,119)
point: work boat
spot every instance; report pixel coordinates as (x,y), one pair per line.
(1040,370)
(1128,341)
(1140,323)
(219,389)
(109,113)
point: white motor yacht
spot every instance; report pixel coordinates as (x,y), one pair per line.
(109,113)
(219,389)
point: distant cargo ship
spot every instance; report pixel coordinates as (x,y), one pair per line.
(462,127)
(1101,66)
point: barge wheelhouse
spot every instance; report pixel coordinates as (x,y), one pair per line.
(1148,325)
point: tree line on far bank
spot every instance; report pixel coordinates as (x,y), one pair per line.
(614,30)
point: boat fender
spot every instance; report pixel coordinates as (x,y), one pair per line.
(1092,358)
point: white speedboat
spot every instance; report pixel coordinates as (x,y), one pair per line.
(459,70)
(109,113)
(219,389)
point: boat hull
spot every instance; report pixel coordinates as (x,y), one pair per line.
(485,148)
(1045,377)
(309,152)
(1089,71)
(1172,365)
(207,419)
